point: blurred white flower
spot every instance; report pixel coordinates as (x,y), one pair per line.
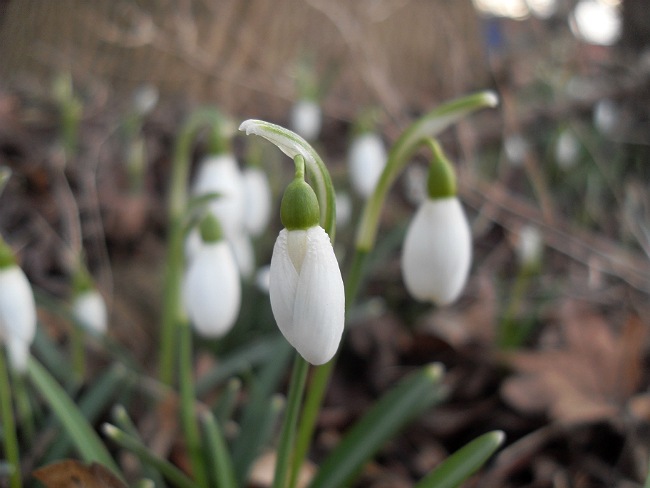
(516,148)
(262,278)
(242,249)
(437,251)
(530,246)
(257,209)
(366,161)
(89,309)
(306,291)
(596,22)
(306,119)
(567,150)
(221,174)
(145,98)
(17,315)
(212,290)
(343,209)
(415,184)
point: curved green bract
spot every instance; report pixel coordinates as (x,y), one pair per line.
(293,145)
(428,126)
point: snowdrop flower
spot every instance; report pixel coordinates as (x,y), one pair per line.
(211,288)
(220,174)
(437,250)
(529,247)
(343,209)
(305,284)
(257,192)
(306,119)
(89,309)
(242,249)
(17,310)
(366,161)
(567,150)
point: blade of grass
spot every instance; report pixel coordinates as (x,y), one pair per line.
(88,443)
(9,437)
(464,462)
(409,398)
(124,422)
(225,407)
(222,469)
(91,404)
(130,443)
(249,443)
(244,358)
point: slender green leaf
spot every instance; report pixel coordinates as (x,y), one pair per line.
(91,404)
(130,443)
(225,407)
(393,411)
(124,422)
(244,358)
(86,440)
(222,470)
(464,462)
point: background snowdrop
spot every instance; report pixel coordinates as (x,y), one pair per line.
(366,161)
(436,257)
(306,119)
(211,289)
(89,308)
(257,208)
(17,310)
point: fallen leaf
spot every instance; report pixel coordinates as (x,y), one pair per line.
(592,375)
(71,473)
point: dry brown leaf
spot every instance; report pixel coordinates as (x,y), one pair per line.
(592,377)
(71,473)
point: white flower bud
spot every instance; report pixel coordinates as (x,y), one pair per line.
(17,315)
(366,162)
(211,290)
(306,119)
(89,309)
(530,246)
(567,150)
(258,201)
(220,174)
(437,251)
(307,294)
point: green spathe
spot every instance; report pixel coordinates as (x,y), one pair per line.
(210,229)
(7,257)
(441,182)
(299,209)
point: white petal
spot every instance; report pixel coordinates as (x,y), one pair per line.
(221,174)
(17,307)
(366,162)
(18,354)
(437,251)
(319,309)
(258,201)
(283,282)
(242,249)
(89,309)
(212,290)
(306,119)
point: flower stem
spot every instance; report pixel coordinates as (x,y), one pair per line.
(177,212)
(9,425)
(77,336)
(296,389)
(188,413)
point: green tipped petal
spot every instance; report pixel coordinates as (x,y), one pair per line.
(7,257)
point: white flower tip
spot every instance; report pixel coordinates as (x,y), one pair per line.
(249,126)
(491,98)
(435,371)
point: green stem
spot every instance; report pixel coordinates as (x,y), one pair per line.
(188,411)
(510,334)
(296,389)
(178,200)
(10,440)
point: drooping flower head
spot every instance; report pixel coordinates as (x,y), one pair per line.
(438,246)
(88,305)
(17,310)
(211,289)
(305,284)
